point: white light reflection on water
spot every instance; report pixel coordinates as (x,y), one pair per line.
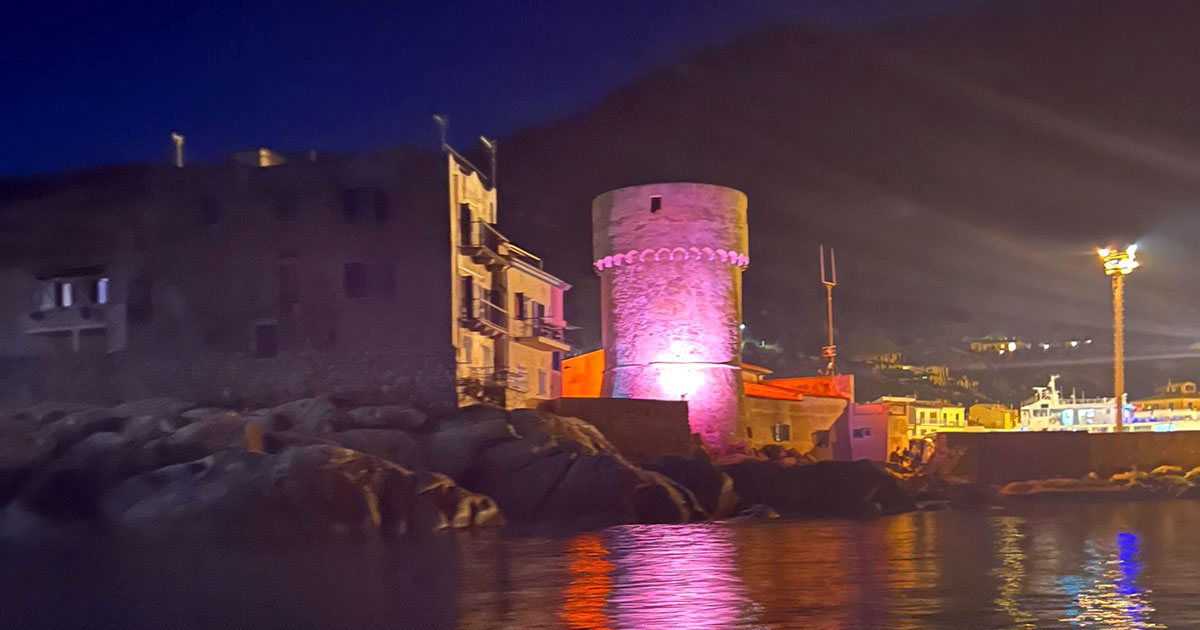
(678,576)
(1107,595)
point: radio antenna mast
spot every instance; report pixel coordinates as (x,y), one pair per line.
(829,279)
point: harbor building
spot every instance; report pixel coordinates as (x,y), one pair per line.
(270,277)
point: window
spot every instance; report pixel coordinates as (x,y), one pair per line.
(208,211)
(360,203)
(821,439)
(749,433)
(289,284)
(466,349)
(354,280)
(487,356)
(266,340)
(655,203)
(556,361)
(286,209)
(862,433)
(542,389)
(781,432)
(1068,416)
(520,305)
(360,280)
(141,298)
(66,294)
(101,296)
(467,295)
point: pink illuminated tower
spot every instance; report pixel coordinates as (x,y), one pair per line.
(670,259)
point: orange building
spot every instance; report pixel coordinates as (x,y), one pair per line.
(811,414)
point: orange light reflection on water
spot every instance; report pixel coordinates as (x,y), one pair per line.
(587,593)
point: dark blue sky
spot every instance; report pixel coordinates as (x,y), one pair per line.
(88,83)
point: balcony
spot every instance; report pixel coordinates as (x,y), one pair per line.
(485,245)
(70,318)
(489,385)
(484,317)
(541,334)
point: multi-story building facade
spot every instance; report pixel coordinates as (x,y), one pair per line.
(509,331)
(259,281)
(926,417)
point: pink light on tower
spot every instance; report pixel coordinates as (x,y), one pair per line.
(670,259)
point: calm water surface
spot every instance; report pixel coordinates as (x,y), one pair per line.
(1134,565)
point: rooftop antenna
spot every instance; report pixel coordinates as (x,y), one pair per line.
(178,139)
(442,122)
(491,146)
(829,279)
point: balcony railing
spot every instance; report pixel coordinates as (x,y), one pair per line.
(483,316)
(491,385)
(484,244)
(541,334)
(79,317)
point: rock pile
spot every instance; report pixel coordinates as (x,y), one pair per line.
(326,465)
(1164,482)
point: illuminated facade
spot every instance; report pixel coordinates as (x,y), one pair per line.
(670,258)
(508,330)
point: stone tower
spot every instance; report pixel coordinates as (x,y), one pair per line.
(670,259)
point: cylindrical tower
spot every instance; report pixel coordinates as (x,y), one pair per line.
(670,259)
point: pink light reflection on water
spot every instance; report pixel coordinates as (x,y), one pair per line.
(678,576)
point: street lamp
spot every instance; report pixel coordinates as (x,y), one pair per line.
(1117,265)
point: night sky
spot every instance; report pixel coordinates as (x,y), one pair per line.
(90,83)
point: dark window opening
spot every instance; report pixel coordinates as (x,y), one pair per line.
(286,209)
(556,361)
(361,280)
(749,433)
(862,433)
(354,280)
(521,301)
(209,211)
(141,298)
(782,432)
(359,203)
(464,225)
(289,284)
(821,439)
(655,203)
(266,341)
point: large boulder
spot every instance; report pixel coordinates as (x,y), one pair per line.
(400,417)
(571,434)
(829,488)
(455,447)
(23,450)
(318,415)
(47,412)
(70,487)
(74,427)
(312,491)
(712,488)
(397,447)
(159,407)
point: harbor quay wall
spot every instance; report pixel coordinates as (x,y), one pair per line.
(639,429)
(1000,458)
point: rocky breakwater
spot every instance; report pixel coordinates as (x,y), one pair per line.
(319,467)
(859,489)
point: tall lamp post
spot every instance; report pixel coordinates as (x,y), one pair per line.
(1117,265)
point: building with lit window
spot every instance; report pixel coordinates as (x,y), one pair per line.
(509,329)
(255,280)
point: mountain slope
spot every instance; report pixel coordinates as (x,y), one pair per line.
(964,168)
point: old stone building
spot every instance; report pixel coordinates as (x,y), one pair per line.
(256,281)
